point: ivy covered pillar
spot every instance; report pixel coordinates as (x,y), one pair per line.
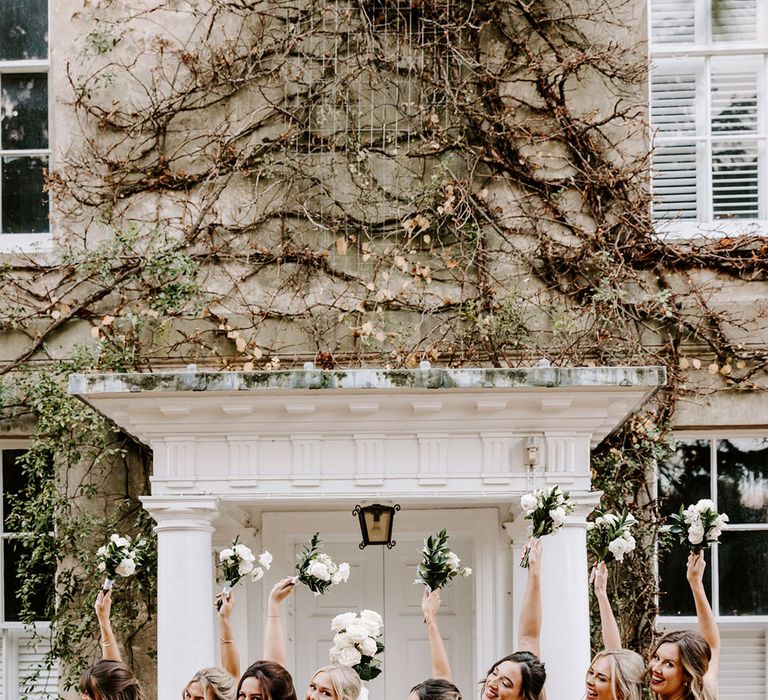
(185,623)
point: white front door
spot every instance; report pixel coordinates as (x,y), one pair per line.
(382,580)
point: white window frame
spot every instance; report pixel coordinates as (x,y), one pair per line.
(13,633)
(675,58)
(729,621)
(31,242)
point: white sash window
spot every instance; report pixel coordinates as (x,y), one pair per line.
(708,114)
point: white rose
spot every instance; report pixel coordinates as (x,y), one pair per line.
(372,621)
(342,573)
(265,560)
(341,639)
(119,541)
(244,553)
(466,571)
(558,517)
(528,503)
(630,541)
(245,567)
(453,562)
(690,514)
(342,621)
(345,656)
(101,551)
(127,567)
(357,632)
(704,504)
(257,574)
(323,558)
(319,570)
(102,566)
(721,520)
(618,548)
(696,533)
(226,554)
(368,646)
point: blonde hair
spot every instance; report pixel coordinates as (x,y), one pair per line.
(345,681)
(627,673)
(695,654)
(215,679)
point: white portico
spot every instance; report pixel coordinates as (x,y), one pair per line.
(275,456)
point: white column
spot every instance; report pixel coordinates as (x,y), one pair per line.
(185,625)
(564,597)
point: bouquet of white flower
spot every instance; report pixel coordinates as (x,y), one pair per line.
(238,560)
(356,642)
(546,510)
(317,570)
(608,537)
(120,557)
(439,564)
(699,525)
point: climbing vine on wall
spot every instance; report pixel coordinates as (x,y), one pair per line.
(357,183)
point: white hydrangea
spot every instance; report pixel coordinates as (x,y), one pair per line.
(244,553)
(341,574)
(257,574)
(245,567)
(226,554)
(265,560)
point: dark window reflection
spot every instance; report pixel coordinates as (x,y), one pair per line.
(24,111)
(676,597)
(684,478)
(743,563)
(16,548)
(742,479)
(24,202)
(23,29)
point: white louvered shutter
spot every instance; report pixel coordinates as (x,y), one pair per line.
(736,141)
(734,20)
(676,150)
(36,682)
(673,21)
(742,665)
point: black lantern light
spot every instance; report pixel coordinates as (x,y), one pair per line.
(376,522)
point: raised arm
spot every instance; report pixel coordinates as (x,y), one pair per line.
(529,629)
(103,607)
(608,625)
(707,625)
(430,604)
(230,657)
(274,643)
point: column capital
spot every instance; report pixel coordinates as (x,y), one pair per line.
(182,512)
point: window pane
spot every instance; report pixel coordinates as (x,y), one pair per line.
(676,597)
(734,102)
(24,111)
(673,21)
(742,479)
(24,202)
(23,29)
(684,478)
(13,551)
(674,182)
(734,20)
(12,480)
(735,180)
(743,561)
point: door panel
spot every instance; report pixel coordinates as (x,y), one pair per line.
(313,636)
(408,651)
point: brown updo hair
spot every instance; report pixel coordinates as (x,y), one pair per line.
(436,689)
(532,672)
(110,680)
(276,683)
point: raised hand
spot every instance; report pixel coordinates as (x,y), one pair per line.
(599,577)
(281,590)
(225,604)
(430,604)
(694,570)
(103,606)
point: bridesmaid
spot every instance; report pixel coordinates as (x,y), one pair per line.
(684,665)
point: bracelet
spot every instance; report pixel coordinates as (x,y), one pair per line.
(106,644)
(226,641)
(273,615)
